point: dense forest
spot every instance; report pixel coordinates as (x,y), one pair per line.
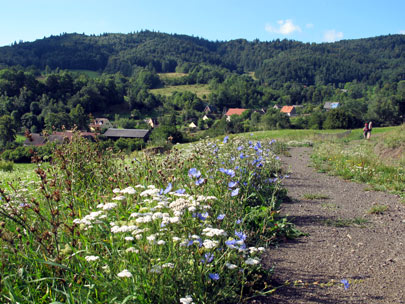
(40,87)
(365,60)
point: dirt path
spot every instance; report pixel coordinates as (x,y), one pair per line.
(344,241)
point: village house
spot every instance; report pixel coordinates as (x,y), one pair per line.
(234,111)
(288,110)
(152,122)
(330,105)
(100,124)
(36,139)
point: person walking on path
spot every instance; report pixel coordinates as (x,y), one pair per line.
(370,127)
(365,130)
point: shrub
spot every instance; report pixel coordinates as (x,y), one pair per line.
(6,166)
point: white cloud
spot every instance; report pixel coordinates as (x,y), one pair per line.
(309,25)
(402,32)
(286,27)
(332,36)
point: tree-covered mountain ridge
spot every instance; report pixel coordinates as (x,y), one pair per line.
(368,60)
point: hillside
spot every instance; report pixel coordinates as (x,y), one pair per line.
(365,60)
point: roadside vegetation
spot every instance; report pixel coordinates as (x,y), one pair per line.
(379,162)
(96,227)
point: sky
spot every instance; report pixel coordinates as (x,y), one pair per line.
(223,20)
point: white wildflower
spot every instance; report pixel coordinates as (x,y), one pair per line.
(161,242)
(91,258)
(132,249)
(186,300)
(168,265)
(176,239)
(109,206)
(156,269)
(116,190)
(129,238)
(119,198)
(251,261)
(231,266)
(128,190)
(124,274)
(210,244)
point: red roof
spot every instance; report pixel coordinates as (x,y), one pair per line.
(235,111)
(287,109)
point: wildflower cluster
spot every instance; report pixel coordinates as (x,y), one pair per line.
(192,216)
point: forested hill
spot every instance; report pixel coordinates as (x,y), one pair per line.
(365,60)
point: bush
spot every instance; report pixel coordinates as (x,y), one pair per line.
(6,166)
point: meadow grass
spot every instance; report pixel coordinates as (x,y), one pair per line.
(164,76)
(200,90)
(188,226)
(362,160)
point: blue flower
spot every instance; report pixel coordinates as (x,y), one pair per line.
(235,192)
(238,221)
(221,217)
(240,148)
(240,235)
(190,242)
(232,184)
(208,258)
(214,276)
(194,173)
(226,139)
(181,191)
(241,155)
(199,181)
(345,283)
(230,243)
(202,216)
(168,189)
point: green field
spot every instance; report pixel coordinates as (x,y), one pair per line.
(199,89)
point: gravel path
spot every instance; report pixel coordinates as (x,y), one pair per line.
(343,241)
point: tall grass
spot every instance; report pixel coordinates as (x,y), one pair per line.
(188,226)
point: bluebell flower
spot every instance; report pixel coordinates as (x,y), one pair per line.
(277,158)
(221,217)
(181,191)
(214,276)
(345,283)
(240,148)
(190,242)
(235,192)
(259,145)
(238,221)
(241,155)
(226,139)
(232,184)
(168,188)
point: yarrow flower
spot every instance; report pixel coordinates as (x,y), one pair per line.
(91,258)
(124,274)
(186,300)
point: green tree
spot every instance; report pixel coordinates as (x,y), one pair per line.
(79,118)
(7,129)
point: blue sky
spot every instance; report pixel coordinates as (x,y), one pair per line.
(302,20)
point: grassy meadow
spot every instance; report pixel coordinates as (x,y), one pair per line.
(200,90)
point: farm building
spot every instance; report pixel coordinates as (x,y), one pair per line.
(35,139)
(126,133)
